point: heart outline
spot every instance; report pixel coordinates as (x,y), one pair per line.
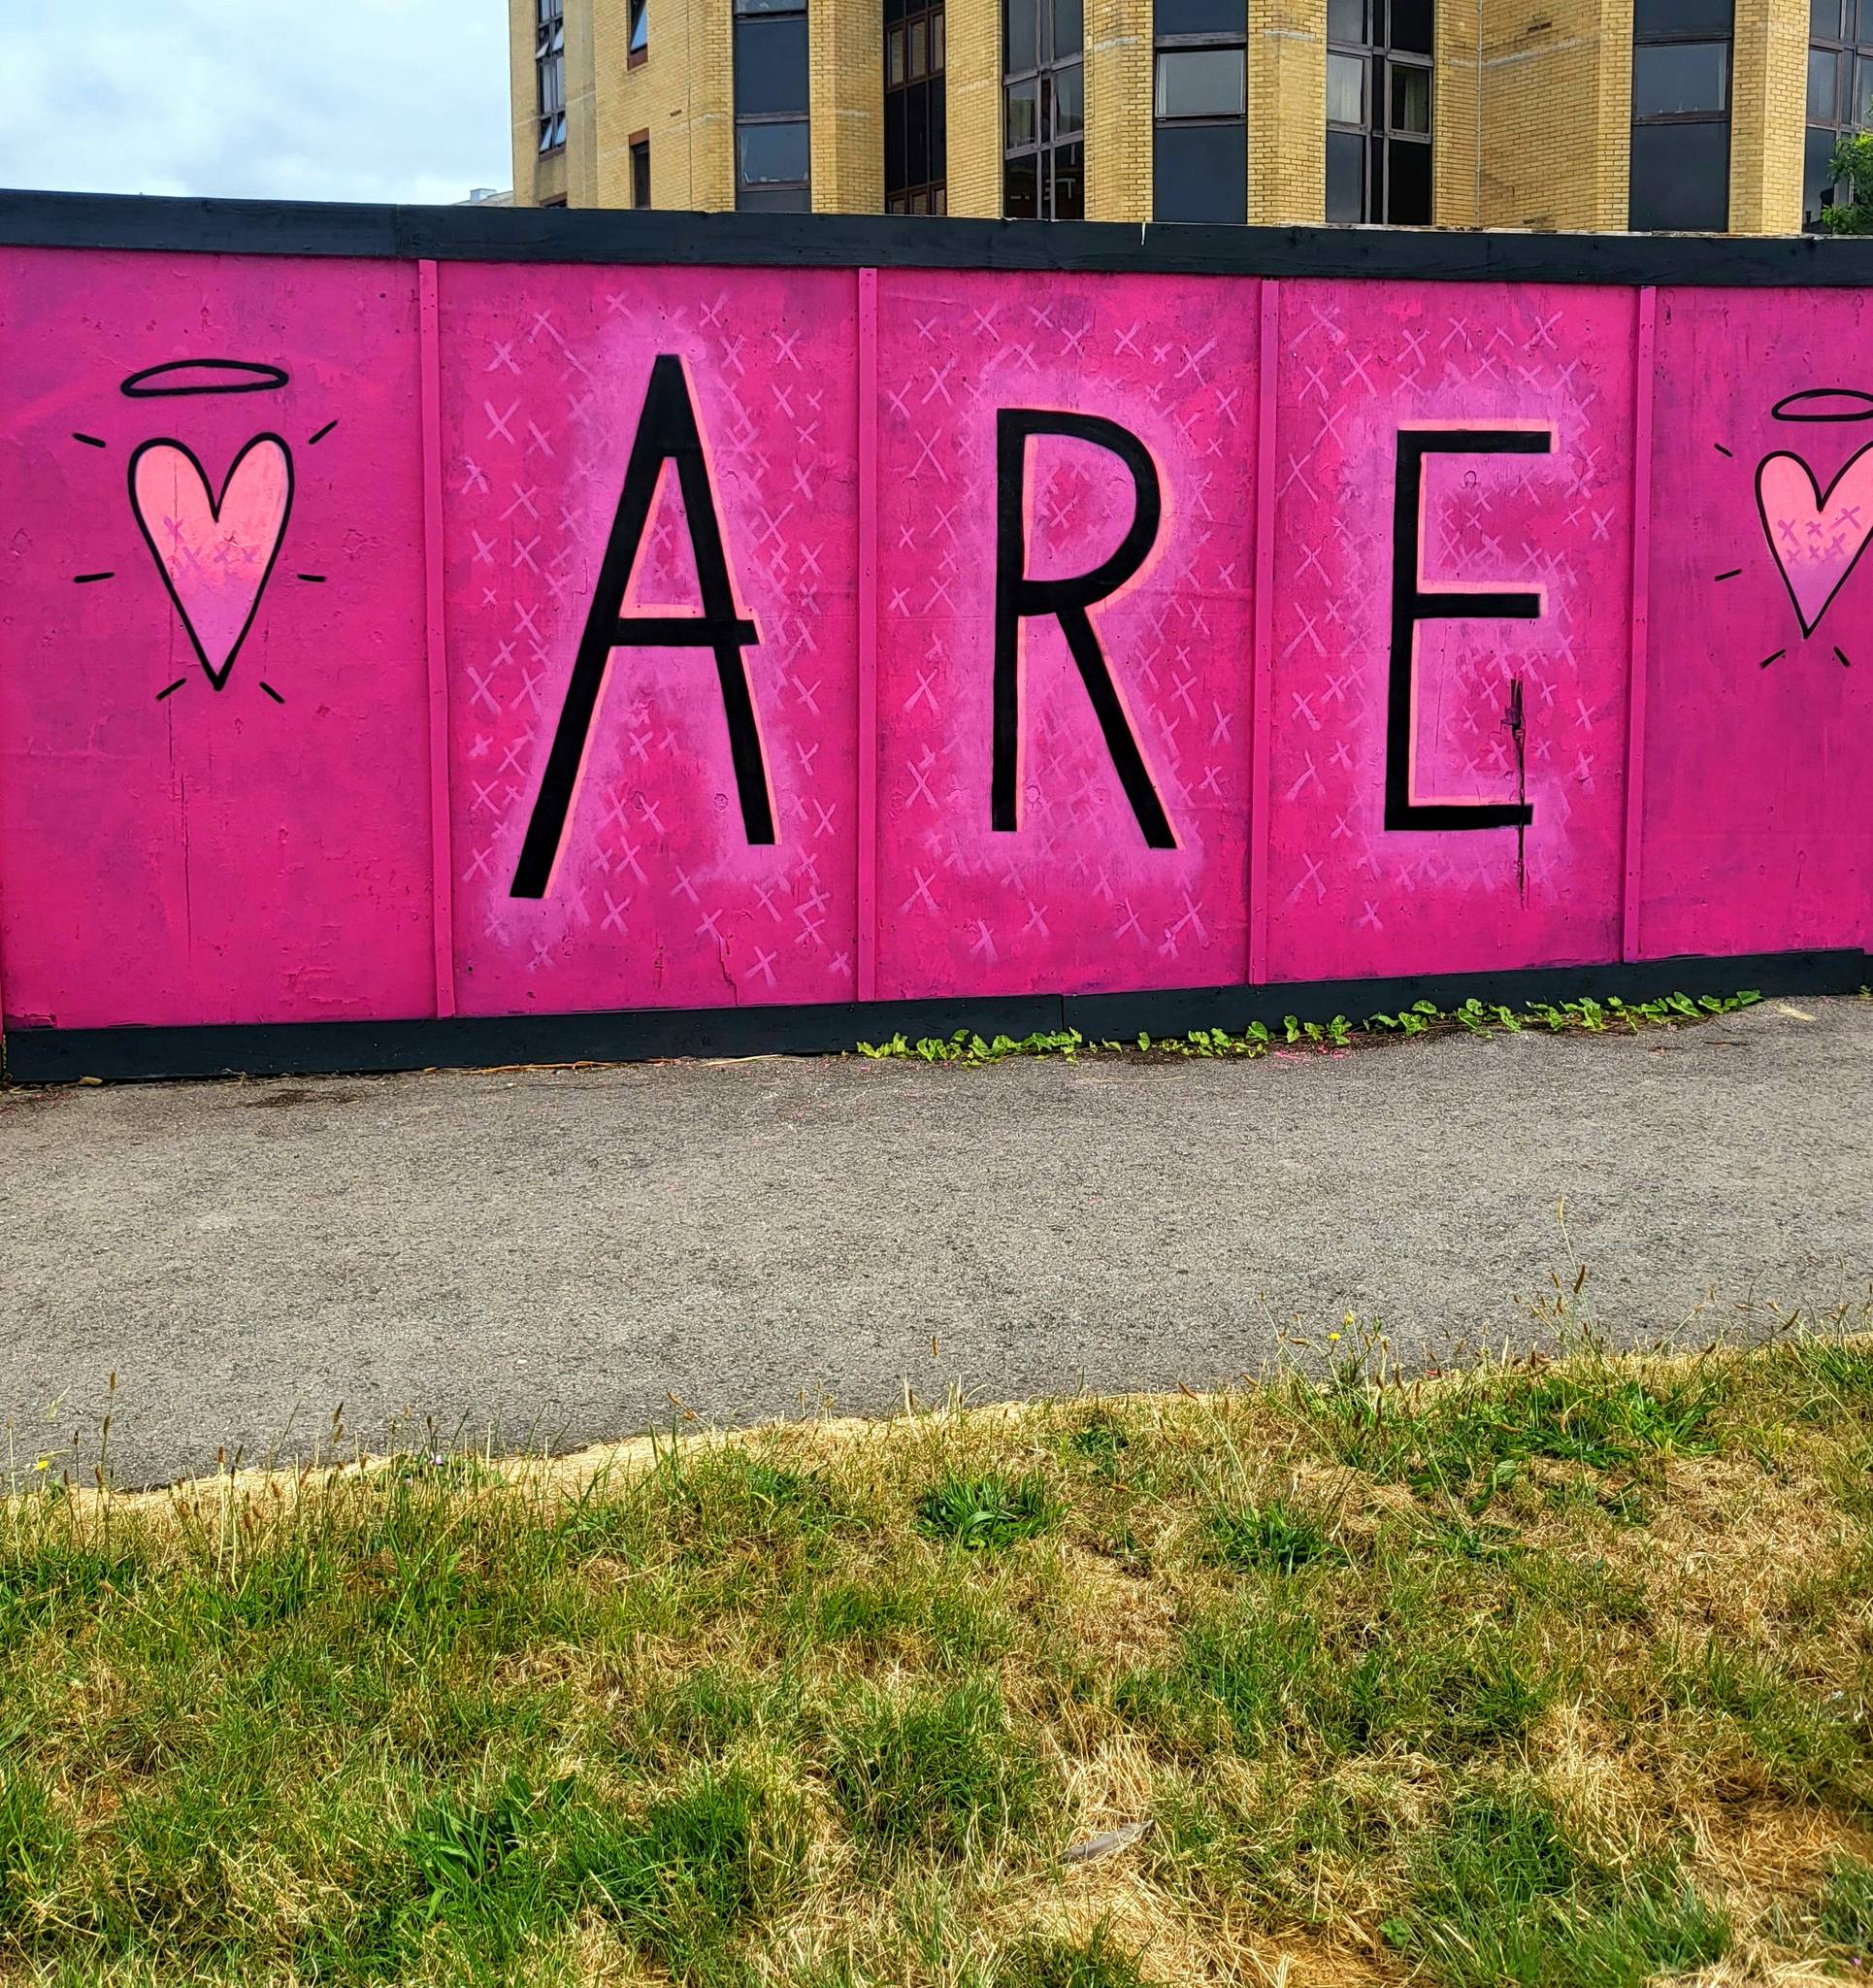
(217,679)
(1822,498)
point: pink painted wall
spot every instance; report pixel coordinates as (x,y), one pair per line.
(281,669)
(1074,897)
(1358,362)
(211,857)
(1758,809)
(658,899)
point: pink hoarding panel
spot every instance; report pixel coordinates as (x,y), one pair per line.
(1520,401)
(1116,855)
(690,870)
(382,640)
(1758,813)
(212,766)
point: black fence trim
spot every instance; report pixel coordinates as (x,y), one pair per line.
(53,1057)
(604,235)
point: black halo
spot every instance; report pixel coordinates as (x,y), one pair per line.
(1790,406)
(243,378)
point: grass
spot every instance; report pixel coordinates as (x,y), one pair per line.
(986,1513)
(1557,1675)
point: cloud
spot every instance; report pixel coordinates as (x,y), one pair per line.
(285,99)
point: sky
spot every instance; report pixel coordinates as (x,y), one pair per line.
(401,100)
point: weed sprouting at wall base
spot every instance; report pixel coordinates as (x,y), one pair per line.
(1474,1017)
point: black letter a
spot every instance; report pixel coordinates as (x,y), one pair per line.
(1017,597)
(667,432)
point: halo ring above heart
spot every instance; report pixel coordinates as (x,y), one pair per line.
(1825,403)
(182,378)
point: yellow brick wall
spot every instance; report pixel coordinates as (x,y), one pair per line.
(1551,79)
(1118,109)
(523,93)
(1287,112)
(1456,104)
(1557,112)
(1769,117)
(846,39)
(972,105)
(682,94)
(581,107)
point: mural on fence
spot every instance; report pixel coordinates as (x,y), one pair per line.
(386,641)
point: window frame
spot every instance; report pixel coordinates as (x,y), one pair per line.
(929,194)
(1850,52)
(1046,148)
(549,73)
(1213,41)
(636,33)
(758,196)
(1375,128)
(1687,37)
(637,151)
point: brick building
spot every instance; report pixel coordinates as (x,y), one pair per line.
(1532,114)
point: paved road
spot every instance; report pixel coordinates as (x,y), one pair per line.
(552,1252)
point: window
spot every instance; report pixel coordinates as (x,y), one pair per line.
(549,63)
(1200,166)
(1043,111)
(1840,94)
(916,144)
(773,172)
(1378,110)
(639,143)
(637,48)
(1681,114)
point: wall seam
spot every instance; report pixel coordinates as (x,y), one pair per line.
(436,638)
(1645,347)
(1261,660)
(868,799)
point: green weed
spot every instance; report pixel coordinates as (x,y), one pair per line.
(697,1868)
(1845,1918)
(942,1773)
(988,1511)
(1470,1441)
(1275,1536)
(1476,1016)
(1498,1893)
(1098,1961)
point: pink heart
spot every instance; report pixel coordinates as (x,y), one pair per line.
(1816,535)
(215,554)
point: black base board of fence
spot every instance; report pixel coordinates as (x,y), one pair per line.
(52,1056)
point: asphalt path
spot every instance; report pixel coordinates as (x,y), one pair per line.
(555,1257)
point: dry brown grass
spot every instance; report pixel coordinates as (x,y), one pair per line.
(1547,1676)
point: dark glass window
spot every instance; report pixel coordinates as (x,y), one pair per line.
(1677,78)
(1681,114)
(773,170)
(1840,95)
(641,172)
(1199,20)
(638,45)
(1200,161)
(1043,111)
(549,64)
(915,146)
(1695,20)
(1379,111)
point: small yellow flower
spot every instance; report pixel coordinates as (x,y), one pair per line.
(1333,1334)
(45,1463)
(1348,1320)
